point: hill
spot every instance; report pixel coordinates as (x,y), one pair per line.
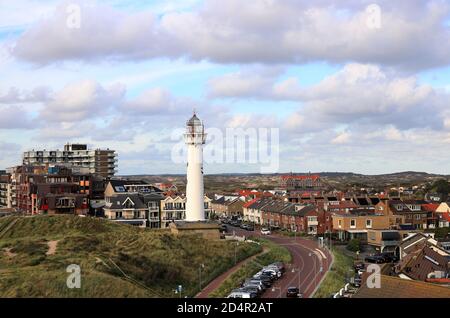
(116,260)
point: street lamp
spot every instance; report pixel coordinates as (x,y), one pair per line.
(179,290)
(202,266)
(235,253)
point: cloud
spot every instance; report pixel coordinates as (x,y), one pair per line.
(82,100)
(15,117)
(358,93)
(15,96)
(250,82)
(412,35)
(342,138)
(153,101)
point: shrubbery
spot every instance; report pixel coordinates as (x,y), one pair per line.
(354,245)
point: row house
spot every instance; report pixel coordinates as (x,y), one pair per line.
(133,208)
(227,206)
(292,217)
(173,209)
(252,210)
(358,222)
(414,213)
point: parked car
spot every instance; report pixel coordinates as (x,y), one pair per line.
(241,294)
(274,270)
(251,289)
(223,228)
(293,292)
(389,257)
(254,282)
(265,231)
(280,266)
(357,281)
(359,266)
(376,259)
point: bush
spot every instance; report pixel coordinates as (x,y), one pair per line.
(354,245)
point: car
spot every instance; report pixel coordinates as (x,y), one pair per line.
(251,289)
(266,280)
(359,267)
(389,257)
(293,292)
(223,228)
(273,270)
(255,282)
(241,294)
(265,231)
(280,266)
(356,281)
(375,259)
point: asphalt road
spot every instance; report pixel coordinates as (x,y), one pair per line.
(309,264)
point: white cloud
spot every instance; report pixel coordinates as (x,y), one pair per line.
(411,36)
(82,100)
(342,138)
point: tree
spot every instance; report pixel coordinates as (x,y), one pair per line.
(354,245)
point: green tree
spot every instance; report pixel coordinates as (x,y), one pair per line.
(354,245)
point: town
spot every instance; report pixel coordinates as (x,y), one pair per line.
(408,236)
(211,156)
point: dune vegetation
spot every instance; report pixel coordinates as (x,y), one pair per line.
(115,260)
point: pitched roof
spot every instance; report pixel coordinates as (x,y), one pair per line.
(430,207)
(249,203)
(427,261)
(117,201)
(394,287)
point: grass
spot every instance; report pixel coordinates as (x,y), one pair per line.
(335,278)
(273,253)
(154,261)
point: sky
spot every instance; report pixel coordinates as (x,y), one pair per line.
(351,86)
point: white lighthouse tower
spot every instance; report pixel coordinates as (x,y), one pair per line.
(195,138)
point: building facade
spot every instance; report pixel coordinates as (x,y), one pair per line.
(96,161)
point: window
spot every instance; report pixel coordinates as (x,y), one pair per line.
(352,223)
(369,223)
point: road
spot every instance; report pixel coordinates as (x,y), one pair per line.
(309,264)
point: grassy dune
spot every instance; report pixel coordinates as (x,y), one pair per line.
(116,260)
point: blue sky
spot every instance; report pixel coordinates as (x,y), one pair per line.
(345,95)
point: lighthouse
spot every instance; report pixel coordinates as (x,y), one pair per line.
(195,138)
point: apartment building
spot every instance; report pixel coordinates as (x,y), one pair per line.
(96,161)
(43,190)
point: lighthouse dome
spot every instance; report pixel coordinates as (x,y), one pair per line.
(194,121)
